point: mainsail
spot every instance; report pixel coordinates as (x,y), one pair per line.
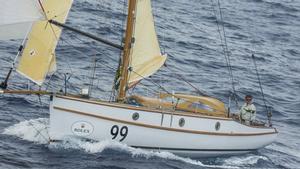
(145,58)
(38,57)
(17,16)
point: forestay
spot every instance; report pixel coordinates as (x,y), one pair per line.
(38,57)
(145,58)
(17,16)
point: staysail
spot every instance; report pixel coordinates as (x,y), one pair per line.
(17,16)
(145,58)
(38,57)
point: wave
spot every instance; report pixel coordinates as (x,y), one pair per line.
(244,161)
(98,147)
(284,149)
(36,130)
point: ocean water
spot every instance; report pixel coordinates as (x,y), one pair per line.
(188,33)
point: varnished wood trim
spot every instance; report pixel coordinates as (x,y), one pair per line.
(118,105)
(160,127)
(37,92)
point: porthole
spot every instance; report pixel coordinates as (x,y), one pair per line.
(217,126)
(135,116)
(181,122)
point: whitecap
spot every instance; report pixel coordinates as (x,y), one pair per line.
(98,147)
(244,160)
(285,149)
(34,130)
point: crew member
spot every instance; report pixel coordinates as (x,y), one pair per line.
(248,111)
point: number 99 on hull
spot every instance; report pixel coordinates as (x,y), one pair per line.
(180,133)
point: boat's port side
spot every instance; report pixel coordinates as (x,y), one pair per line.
(153,130)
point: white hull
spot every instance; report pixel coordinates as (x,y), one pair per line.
(153,129)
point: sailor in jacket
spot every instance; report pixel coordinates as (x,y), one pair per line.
(248,111)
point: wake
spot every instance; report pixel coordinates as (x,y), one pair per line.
(36,130)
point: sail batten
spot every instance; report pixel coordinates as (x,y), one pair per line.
(146,57)
(38,58)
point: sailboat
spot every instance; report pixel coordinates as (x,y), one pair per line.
(189,125)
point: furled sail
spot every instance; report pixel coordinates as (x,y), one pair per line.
(17,16)
(38,57)
(145,58)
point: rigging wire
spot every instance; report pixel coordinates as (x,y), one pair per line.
(200,92)
(93,72)
(95,61)
(3,85)
(96,52)
(46,128)
(259,82)
(67,58)
(156,10)
(114,69)
(48,84)
(38,131)
(268,108)
(6,62)
(225,47)
(186,81)
(93,50)
(180,76)
(161,87)
(122,41)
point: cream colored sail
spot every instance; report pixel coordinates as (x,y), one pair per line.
(145,58)
(38,58)
(17,16)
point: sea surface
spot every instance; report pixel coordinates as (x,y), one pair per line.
(189,32)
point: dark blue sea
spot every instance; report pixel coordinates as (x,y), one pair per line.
(189,34)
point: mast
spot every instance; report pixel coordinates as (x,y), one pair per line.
(126,50)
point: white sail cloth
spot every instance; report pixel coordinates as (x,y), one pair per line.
(17,16)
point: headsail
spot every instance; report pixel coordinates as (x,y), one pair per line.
(38,57)
(145,58)
(17,16)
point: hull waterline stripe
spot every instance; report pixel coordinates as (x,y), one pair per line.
(162,128)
